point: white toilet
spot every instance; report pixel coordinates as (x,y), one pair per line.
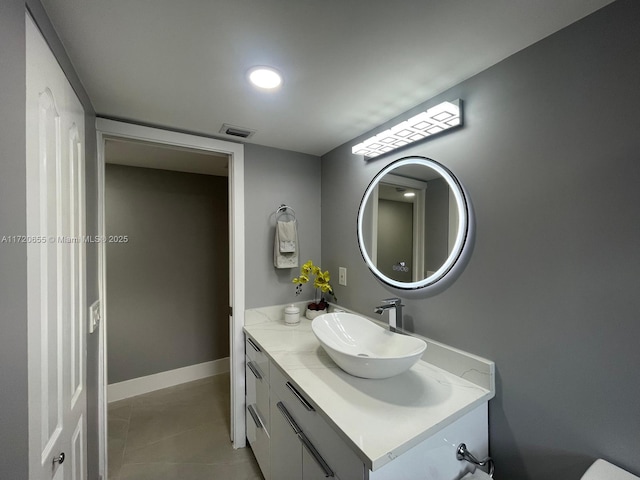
(603,470)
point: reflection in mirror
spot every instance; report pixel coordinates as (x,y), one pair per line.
(412,223)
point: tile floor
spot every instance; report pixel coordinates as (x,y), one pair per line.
(179,433)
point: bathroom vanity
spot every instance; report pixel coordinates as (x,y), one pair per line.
(308,419)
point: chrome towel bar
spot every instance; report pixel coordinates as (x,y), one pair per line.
(462,453)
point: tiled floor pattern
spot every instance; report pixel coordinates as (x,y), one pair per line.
(179,433)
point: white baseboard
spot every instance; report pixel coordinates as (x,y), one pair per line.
(158,381)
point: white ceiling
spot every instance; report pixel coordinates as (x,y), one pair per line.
(165,157)
(349,65)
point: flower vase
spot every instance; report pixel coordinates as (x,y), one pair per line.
(311,314)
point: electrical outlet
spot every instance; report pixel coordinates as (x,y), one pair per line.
(342,276)
(94,316)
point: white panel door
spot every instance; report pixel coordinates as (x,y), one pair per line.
(56,268)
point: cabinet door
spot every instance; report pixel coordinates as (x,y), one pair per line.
(259,441)
(311,469)
(286,449)
(257,435)
(334,451)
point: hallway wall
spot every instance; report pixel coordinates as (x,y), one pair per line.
(168,285)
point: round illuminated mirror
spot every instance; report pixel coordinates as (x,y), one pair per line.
(415,224)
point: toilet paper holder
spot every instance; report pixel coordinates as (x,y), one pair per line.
(462,453)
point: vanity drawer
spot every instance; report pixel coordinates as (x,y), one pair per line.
(257,393)
(258,357)
(332,448)
(259,440)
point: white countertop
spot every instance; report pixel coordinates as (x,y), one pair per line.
(380,419)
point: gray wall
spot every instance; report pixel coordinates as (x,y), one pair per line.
(436,225)
(168,286)
(13,289)
(13,257)
(550,155)
(395,238)
(274,177)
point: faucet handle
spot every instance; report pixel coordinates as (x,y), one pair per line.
(392,301)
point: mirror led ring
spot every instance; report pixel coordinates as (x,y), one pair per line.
(464,217)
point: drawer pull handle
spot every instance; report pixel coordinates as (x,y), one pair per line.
(254,370)
(253,344)
(254,415)
(305,441)
(285,413)
(316,455)
(299,396)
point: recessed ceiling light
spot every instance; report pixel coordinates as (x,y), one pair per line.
(266,78)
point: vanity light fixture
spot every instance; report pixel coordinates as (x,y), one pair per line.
(266,78)
(437,119)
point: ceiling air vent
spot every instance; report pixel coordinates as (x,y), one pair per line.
(236,131)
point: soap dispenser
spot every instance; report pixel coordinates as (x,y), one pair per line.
(291,315)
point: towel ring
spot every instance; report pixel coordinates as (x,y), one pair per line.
(282,210)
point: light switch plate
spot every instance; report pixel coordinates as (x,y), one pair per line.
(342,276)
(94,316)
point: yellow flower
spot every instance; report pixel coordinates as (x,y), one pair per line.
(306,268)
(320,282)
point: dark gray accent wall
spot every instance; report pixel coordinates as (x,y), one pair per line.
(550,155)
(13,257)
(274,177)
(168,284)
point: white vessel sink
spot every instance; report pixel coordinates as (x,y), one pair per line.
(363,349)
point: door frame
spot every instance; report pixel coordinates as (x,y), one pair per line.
(106,129)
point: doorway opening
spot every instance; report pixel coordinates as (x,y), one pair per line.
(134,158)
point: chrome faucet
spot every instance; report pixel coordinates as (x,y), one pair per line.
(394,305)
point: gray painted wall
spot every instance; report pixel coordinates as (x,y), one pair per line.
(436,224)
(550,155)
(13,257)
(168,286)
(395,238)
(274,177)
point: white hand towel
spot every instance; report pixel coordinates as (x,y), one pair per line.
(285,259)
(287,232)
(476,475)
